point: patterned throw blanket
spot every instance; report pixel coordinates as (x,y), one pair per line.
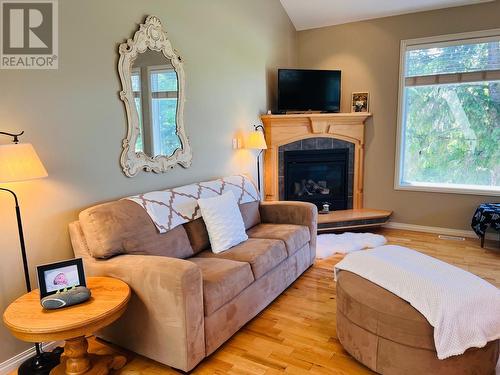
(173,207)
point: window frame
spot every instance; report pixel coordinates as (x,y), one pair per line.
(443,40)
(138,94)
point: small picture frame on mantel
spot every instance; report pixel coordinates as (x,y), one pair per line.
(360,102)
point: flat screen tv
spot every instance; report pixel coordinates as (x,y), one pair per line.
(308,90)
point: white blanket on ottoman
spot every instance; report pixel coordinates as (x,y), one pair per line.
(463,308)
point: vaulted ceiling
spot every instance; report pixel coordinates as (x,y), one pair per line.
(309,14)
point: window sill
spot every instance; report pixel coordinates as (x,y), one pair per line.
(449,188)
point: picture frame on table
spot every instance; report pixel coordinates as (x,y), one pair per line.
(360,102)
(54,277)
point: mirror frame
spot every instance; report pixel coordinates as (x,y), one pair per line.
(150,35)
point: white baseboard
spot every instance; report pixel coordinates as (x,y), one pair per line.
(13,363)
(438,230)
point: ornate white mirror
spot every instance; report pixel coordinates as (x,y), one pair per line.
(152,80)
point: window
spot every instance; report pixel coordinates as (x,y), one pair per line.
(164,110)
(449,114)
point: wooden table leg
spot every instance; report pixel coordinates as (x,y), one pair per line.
(77,361)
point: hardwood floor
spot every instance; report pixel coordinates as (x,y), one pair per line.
(296,334)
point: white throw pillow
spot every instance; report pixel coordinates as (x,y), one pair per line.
(223,219)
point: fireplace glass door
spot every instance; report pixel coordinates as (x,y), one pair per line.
(317,176)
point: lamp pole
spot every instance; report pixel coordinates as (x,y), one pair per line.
(256,128)
(23,254)
(41,363)
(258,169)
(21,240)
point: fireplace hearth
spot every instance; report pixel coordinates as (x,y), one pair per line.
(317,176)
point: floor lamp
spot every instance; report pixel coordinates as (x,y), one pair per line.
(19,162)
(257,141)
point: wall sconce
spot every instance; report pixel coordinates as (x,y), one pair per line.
(237,143)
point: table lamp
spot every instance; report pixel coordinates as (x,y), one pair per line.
(257,141)
(20,162)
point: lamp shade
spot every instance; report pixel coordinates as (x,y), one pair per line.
(20,162)
(256,141)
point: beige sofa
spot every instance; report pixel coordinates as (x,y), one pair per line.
(187,301)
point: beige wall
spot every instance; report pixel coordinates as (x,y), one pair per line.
(76,121)
(231,48)
(368,55)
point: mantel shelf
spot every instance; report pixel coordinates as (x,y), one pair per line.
(358,116)
(318,121)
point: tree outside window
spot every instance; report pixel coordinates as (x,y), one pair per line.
(450,122)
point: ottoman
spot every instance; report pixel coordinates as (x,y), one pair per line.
(389,336)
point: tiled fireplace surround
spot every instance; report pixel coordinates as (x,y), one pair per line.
(317,143)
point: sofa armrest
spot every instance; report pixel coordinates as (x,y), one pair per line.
(165,317)
(292,212)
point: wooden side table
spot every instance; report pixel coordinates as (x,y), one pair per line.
(28,321)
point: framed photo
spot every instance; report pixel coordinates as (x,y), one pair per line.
(360,102)
(57,276)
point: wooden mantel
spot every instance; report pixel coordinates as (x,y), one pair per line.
(283,129)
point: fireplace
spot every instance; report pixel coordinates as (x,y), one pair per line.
(295,135)
(317,176)
(314,131)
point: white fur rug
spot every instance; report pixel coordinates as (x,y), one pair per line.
(329,244)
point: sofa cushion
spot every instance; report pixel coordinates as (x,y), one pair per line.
(222,280)
(197,234)
(250,213)
(262,254)
(294,236)
(124,227)
(197,230)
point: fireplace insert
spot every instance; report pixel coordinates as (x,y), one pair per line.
(317,176)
